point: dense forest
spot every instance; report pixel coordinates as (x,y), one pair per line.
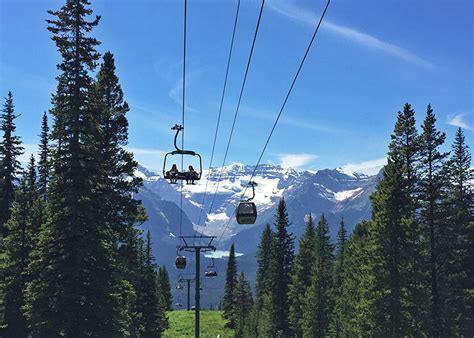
(74,263)
(405,272)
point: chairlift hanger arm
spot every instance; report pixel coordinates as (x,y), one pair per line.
(178,128)
(252,184)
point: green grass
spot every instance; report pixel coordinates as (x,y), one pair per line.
(182,325)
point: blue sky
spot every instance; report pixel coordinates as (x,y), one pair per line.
(369,59)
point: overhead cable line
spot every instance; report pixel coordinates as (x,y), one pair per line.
(281,109)
(238,105)
(220,109)
(182,117)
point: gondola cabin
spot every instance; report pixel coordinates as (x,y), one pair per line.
(180,262)
(246,213)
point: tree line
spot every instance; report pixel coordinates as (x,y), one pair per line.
(73,261)
(408,271)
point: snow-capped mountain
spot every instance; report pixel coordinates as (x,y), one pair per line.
(336,193)
(209,205)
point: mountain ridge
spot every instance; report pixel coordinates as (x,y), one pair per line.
(336,193)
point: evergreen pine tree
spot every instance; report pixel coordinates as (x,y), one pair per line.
(460,233)
(395,235)
(340,310)
(119,210)
(281,264)
(153,318)
(431,217)
(263,287)
(164,288)
(43,163)
(318,303)
(301,277)
(10,150)
(75,243)
(243,305)
(263,262)
(358,285)
(229,300)
(18,245)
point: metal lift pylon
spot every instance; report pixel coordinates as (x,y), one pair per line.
(188,279)
(192,247)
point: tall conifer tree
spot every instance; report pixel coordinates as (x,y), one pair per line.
(119,183)
(301,277)
(75,243)
(431,217)
(153,319)
(10,150)
(340,309)
(263,262)
(23,227)
(395,235)
(460,241)
(243,306)
(358,284)
(44,153)
(318,303)
(164,288)
(263,287)
(281,265)
(229,300)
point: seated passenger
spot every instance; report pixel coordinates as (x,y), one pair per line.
(173,173)
(192,175)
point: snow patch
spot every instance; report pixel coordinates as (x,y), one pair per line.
(344,195)
(139,174)
(221,217)
(162,214)
(347,172)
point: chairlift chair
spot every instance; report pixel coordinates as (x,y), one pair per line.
(174,175)
(210,273)
(211,270)
(246,212)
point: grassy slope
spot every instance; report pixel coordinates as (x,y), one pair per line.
(182,325)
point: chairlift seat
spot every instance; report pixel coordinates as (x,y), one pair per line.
(173,177)
(210,273)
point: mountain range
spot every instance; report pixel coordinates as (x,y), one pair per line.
(171,212)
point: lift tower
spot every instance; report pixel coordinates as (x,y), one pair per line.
(197,248)
(188,279)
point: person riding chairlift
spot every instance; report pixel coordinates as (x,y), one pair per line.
(191,175)
(173,173)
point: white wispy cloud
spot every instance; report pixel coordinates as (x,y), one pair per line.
(291,121)
(296,161)
(176,93)
(371,167)
(462,120)
(307,17)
